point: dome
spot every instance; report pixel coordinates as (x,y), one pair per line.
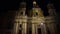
(22,4)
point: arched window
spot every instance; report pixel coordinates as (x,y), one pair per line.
(21,13)
(20,25)
(36,14)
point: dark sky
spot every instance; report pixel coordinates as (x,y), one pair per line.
(14,4)
(7,5)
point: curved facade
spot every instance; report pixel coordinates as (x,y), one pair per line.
(36,22)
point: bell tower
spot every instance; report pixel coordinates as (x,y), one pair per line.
(22,8)
(37,19)
(20,25)
(36,11)
(51,9)
(50,20)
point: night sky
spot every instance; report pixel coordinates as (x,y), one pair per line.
(14,4)
(7,5)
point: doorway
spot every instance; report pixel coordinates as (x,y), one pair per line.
(39,30)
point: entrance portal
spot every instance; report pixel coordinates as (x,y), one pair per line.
(39,30)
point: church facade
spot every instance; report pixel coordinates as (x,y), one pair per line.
(36,22)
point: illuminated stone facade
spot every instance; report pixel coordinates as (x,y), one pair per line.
(35,23)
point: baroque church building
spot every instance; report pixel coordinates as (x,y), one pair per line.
(35,22)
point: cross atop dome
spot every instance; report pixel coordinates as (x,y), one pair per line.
(34,2)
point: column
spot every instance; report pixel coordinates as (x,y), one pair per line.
(36,28)
(33,28)
(55,28)
(15,29)
(24,28)
(51,28)
(43,29)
